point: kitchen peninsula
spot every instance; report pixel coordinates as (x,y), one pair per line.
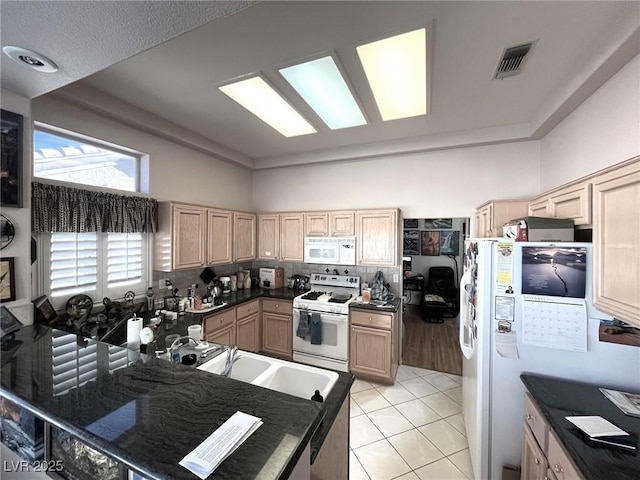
(148,414)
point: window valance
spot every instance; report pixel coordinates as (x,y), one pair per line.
(63,209)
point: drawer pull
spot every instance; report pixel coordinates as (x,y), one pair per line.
(529,417)
(557,468)
(538,462)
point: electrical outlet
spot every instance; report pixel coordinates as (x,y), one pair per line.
(164,283)
(395,278)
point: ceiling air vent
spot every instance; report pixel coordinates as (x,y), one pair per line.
(512,60)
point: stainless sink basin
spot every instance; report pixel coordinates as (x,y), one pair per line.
(275,374)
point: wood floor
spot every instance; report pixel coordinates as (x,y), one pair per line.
(430,345)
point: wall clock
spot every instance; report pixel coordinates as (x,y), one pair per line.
(7,232)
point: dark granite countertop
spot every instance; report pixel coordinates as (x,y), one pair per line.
(558,398)
(176,407)
(391,306)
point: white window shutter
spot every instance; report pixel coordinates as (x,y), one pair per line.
(73,263)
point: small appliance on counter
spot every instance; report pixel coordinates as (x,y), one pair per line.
(272,277)
(226,285)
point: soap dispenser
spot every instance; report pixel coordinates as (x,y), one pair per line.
(317,397)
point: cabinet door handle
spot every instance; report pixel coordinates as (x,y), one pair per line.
(353,329)
(538,462)
(529,417)
(557,468)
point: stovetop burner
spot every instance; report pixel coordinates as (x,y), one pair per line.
(341,298)
(314,295)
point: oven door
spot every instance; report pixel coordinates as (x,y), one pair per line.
(335,336)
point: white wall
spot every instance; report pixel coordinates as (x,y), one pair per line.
(603,131)
(448,183)
(176,172)
(20,248)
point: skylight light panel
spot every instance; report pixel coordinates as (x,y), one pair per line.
(396,69)
(321,85)
(264,102)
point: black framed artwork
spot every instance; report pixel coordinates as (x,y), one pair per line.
(11,179)
(411,242)
(437,223)
(430,243)
(410,223)
(7,280)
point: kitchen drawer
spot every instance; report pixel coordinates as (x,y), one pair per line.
(559,461)
(367,319)
(220,320)
(536,421)
(247,309)
(277,306)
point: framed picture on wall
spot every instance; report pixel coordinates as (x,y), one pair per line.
(450,242)
(410,223)
(411,244)
(430,243)
(437,223)
(11,176)
(7,280)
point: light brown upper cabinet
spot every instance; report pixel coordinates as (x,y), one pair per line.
(572,201)
(268,237)
(335,224)
(616,241)
(492,215)
(377,232)
(281,237)
(219,236)
(316,224)
(292,237)
(180,241)
(244,236)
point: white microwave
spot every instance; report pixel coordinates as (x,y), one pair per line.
(330,250)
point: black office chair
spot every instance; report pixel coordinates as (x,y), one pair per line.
(441,295)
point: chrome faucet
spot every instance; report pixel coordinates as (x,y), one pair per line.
(176,343)
(232,357)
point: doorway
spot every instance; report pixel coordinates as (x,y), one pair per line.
(427,243)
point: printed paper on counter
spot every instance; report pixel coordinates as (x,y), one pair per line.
(207,456)
(596,426)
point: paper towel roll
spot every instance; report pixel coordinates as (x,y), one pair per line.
(134,326)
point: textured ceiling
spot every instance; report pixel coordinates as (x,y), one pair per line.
(579,45)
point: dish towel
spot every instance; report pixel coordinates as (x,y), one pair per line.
(316,329)
(303,325)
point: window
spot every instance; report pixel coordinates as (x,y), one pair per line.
(67,157)
(95,264)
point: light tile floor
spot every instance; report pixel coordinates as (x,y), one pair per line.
(411,430)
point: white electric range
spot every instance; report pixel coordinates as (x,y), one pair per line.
(328,300)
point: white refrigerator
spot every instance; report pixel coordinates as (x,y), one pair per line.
(526,307)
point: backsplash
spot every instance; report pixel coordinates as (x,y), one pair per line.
(183,279)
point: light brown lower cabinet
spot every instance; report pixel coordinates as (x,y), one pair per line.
(277,328)
(248,333)
(372,349)
(220,327)
(332,461)
(543,456)
(534,460)
(249,326)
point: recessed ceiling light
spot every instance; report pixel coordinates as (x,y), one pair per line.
(31,59)
(264,102)
(322,86)
(396,69)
